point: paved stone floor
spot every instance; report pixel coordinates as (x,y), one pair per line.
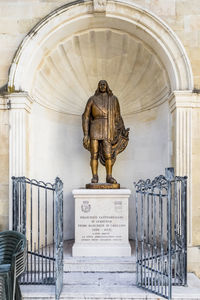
(82,282)
(101,285)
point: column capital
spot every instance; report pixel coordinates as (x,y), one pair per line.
(20,100)
(183,99)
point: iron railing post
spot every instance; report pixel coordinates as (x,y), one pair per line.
(15,203)
(184,225)
(59,236)
(185,221)
(137,253)
(23,206)
(169,174)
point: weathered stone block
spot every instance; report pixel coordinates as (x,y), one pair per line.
(191,23)
(183,7)
(4,192)
(4,207)
(162,7)
(4,167)
(4,223)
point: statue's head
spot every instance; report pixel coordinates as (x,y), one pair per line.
(103,87)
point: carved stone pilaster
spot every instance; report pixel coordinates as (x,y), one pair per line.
(181,109)
(19,109)
(181,104)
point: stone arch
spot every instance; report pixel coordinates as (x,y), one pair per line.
(63,32)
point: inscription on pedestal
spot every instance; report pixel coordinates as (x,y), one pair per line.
(93,226)
(101,223)
(98,229)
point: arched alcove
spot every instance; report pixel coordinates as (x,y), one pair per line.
(125,40)
(59,64)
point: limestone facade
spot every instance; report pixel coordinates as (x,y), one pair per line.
(152,63)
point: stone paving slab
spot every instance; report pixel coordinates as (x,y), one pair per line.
(99,286)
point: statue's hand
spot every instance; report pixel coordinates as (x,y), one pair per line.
(86,142)
(125,132)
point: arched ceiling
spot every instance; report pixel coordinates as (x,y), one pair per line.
(69,74)
(61,60)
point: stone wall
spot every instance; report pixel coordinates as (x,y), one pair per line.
(19,17)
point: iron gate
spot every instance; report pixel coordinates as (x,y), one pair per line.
(38,214)
(161,235)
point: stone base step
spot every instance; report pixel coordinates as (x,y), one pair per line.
(103,279)
(98,264)
(99,286)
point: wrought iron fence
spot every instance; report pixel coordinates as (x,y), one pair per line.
(161,235)
(38,213)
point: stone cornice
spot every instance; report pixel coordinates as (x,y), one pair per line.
(21,100)
(183,99)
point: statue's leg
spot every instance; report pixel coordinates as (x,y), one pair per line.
(108,161)
(94,148)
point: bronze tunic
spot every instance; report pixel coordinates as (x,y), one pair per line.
(95,117)
(101,117)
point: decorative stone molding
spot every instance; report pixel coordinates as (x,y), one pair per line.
(99,5)
(21,100)
(183,99)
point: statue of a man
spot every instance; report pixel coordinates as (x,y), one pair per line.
(104,133)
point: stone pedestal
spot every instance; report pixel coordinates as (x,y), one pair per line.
(101,222)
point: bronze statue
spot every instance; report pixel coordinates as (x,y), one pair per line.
(104,133)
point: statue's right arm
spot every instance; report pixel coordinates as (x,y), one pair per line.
(86,117)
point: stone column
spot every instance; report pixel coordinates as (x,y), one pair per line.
(185,116)
(4,164)
(20,107)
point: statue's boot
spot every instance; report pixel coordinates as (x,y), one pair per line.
(110,179)
(94,167)
(95,179)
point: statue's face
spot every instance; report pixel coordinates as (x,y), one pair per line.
(102,86)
